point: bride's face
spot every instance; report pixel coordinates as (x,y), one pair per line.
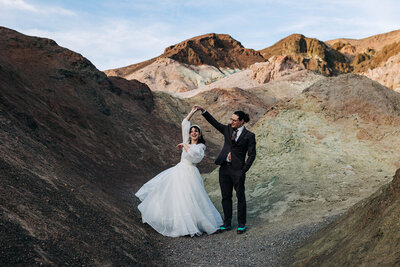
(194,134)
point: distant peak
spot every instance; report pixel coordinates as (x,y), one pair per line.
(219,50)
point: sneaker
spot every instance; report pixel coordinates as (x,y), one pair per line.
(241,230)
(224,228)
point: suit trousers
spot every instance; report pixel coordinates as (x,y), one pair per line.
(230,179)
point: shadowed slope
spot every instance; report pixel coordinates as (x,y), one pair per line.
(71,137)
(367,235)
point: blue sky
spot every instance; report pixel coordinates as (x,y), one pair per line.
(112,33)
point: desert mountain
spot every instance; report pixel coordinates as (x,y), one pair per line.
(366,235)
(190,64)
(200,62)
(168,75)
(352,47)
(256,75)
(377,57)
(217,50)
(185,80)
(311,53)
(71,138)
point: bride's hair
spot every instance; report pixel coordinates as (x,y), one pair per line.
(201,139)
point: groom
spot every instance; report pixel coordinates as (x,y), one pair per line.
(233,164)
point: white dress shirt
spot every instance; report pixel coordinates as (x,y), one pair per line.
(239,132)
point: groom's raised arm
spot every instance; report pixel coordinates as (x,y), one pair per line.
(217,125)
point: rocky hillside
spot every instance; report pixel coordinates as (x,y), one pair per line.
(168,75)
(311,53)
(204,60)
(217,50)
(352,47)
(71,140)
(323,144)
(376,57)
(191,64)
(387,73)
(367,235)
(254,91)
(256,75)
(184,80)
(321,152)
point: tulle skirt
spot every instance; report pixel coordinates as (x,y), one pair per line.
(175,203)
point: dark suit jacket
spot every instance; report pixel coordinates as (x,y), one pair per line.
(245,144)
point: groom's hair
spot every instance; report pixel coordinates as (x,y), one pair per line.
(242,115)
(201,139)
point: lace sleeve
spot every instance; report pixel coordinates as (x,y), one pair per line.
(185,131)
(196,152)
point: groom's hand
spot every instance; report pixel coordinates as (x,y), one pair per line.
(199,108)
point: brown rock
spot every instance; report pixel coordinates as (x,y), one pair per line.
(372,59)
(357,46)
(219,50)
(310,53)
(363,135)
(344,96)
(276,67)
(375,56)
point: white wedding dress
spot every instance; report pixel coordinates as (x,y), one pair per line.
(175,202)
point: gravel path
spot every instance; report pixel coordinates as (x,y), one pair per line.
(254,248)
(261,245)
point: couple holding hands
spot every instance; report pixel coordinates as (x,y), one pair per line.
(175,202)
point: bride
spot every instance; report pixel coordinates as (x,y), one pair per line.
(175,202)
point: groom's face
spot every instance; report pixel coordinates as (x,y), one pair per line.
(236,123)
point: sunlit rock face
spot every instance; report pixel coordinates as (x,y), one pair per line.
(310,53)
(387,73)
(376,57)
(168,75)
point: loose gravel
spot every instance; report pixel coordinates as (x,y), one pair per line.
(253,248)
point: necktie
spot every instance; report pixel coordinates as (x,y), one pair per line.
(234,134)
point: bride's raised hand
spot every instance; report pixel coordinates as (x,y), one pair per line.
(194,109)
